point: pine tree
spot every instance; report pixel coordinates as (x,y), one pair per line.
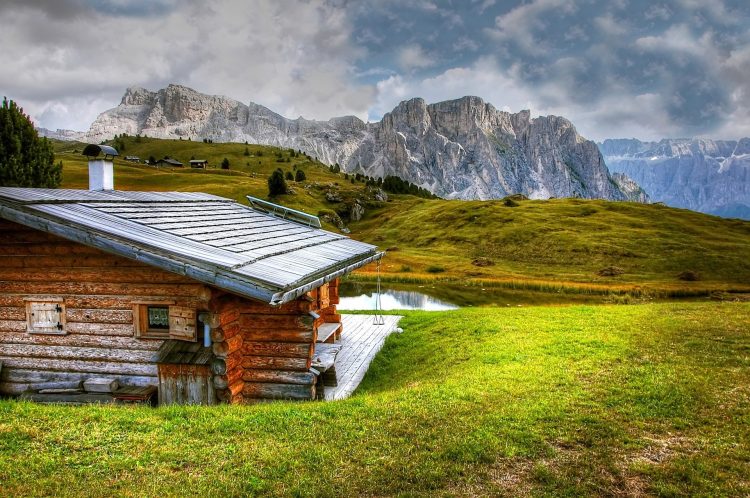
(25,159)
(225,163)
(300,176)
(276,183)
(289,176)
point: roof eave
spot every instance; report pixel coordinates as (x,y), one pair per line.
(290,295)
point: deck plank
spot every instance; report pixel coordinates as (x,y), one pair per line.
(360,342)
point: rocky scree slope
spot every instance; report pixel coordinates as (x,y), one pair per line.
(462,148)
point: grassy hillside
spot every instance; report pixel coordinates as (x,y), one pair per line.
(247,174)
(562,240)
(555,245)
(572,401)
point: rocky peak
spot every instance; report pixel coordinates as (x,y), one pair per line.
(463,148)
(136,95)
(742,147)
(410,114)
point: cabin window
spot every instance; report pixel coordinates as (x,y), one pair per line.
(45,317)
(164,320)
(158,318)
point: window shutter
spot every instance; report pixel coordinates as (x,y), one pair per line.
(182,324)
(45,318)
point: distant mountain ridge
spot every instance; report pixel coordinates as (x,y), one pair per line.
(462,148)
(61,134)
(711,176)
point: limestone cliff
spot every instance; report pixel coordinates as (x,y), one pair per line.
(712,176)
(462,148)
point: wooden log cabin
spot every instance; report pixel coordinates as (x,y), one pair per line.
(199,296)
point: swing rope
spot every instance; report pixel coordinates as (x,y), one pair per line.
(378,318)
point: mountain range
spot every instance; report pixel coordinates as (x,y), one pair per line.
(462,148)
(711,176)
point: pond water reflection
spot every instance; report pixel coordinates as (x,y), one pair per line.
(390,299)
(440,296)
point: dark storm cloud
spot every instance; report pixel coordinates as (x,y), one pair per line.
(133,8)
(621,67)
(580,58)
(592,50)
(58,9)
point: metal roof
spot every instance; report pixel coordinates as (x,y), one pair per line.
(205,237)
(93,150)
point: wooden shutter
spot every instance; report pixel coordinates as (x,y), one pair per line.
(45,318)
(182,324)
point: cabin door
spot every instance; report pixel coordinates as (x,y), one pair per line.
(185,385)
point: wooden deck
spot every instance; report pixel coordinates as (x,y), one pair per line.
(360,342)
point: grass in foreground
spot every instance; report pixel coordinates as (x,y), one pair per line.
(584,400)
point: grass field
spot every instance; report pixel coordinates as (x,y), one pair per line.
(565,401)
(559,245)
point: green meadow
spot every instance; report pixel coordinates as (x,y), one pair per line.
(646,399)
(543,401)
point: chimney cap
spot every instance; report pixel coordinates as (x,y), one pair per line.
(93,150)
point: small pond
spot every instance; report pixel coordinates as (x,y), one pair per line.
(443,296)
(390,299)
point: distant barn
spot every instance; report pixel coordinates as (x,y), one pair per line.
(169,162)
(193,295)
(198,163)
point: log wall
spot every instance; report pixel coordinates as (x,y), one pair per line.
(264,352)
(98,291)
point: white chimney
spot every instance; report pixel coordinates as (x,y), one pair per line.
(101,175)
(101,170)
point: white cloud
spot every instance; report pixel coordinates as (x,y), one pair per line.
(414,57)
(483,79)
(519,24)
(296,58)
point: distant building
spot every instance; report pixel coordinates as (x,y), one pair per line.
(133,159)
(169,162)
(198,163)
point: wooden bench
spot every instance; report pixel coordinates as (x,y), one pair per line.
(324,361)
(327,332)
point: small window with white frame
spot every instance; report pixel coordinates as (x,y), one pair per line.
(45,316)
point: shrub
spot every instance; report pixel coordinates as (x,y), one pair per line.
(483,262)
(300,176)
(225,163)
(610,271)
(689,276)
(289,176)
(405,269)
(435,269)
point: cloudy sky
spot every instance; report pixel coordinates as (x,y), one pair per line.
(616,68)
